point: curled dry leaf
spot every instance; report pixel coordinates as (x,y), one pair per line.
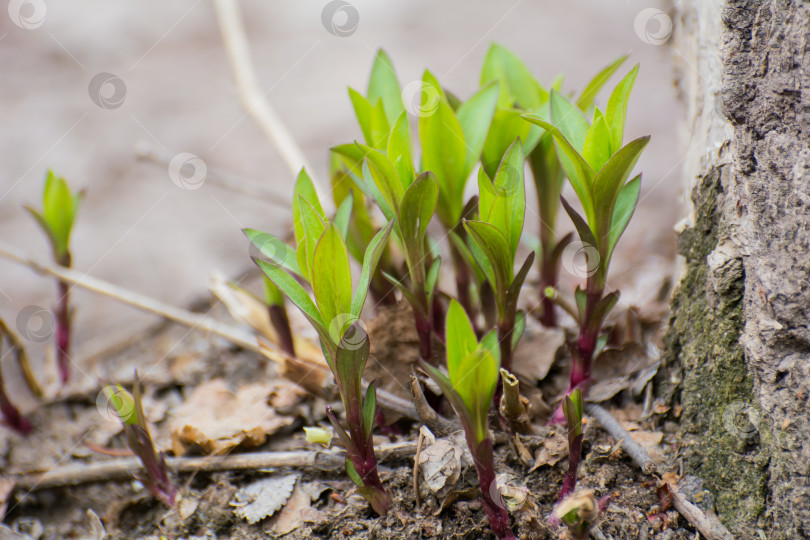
(440,466)
(218,420)
(537,350)
(263,498)
(617,369)
(294,514)
(553,449)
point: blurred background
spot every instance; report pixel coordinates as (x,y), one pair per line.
(169,86)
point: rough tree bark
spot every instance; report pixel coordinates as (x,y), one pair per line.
(738,345)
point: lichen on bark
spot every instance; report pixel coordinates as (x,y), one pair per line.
(706,369)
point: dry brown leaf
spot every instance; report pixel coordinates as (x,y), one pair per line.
(615,369)
(264,497)
(394,349)
(440,466)
(218,420)
(294,513)
(537,350)
(554,448)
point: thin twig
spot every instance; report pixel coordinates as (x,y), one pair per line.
(253,99)
(117,469)
(234,334)
(707,524)
(425,413)
(186,318)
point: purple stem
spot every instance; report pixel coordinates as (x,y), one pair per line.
(281,323)
(62,316)
(574,457)
(548,278)
(11,415)
(495,509)
(582,353)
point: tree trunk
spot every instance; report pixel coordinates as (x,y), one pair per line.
(738,346)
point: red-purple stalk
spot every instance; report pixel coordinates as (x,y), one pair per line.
(62,317)
(583,351)
(281,323)
(494,507)
(361,453)
(11,415)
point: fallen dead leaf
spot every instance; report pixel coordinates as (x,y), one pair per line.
(218,420)
(537,350)
(554,449)
(6,487)
(263,498)
(615,370)
(440,466)
(294,513)
(394,349)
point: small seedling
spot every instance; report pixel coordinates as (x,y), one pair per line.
(129,409)
(493,242)
(470,383)
(598,167)
(572,408)
(579,512)
(59,208)
(520,93)
(322,260)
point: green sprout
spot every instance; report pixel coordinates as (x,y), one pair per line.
(598,166)
(470,384)
(59,209)
(129,409)
(521,93)
(494,240)
(322,260)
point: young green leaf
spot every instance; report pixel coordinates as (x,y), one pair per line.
(369,409)
(497,253)
(477,379)
(418,206)
(597,143)
(343,215)
(460,336)
(313,226)
(444,152)
(385,177)
(623,211)
(304,188)
(475,117)
(370,260)
(507,209)
(294,291)
(363,111)
(332,280)
(569,119)
(399,150)
(383,85)
(275,249)
(517,83)
(612,177)
(616,111)
(350,361)
(591,90)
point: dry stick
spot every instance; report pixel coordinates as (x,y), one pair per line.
(84,473)
(708,524)
(253,99)
(191,320)
(427,415)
